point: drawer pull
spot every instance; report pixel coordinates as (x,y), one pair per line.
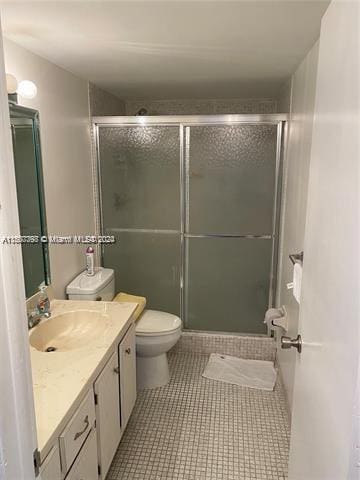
(128,351)
(117,370)
(98,299)
(86,421)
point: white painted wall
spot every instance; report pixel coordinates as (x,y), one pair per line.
(296,179)
(62,101)
(17,416)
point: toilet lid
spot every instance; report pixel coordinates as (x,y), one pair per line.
(154,322)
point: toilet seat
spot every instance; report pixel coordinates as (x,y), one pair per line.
(155,323)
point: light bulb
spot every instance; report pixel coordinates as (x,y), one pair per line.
(27,89)
(11,83)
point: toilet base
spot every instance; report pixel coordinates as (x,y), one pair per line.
(152,372)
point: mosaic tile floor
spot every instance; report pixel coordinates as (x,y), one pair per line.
(199,429)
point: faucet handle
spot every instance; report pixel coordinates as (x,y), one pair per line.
(41,309)
(43,306)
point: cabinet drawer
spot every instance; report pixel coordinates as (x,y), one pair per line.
(76,431)
(86,466)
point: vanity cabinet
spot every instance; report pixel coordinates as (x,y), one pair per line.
(108,423)
(88,443)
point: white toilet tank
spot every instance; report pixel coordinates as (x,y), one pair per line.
(100,286)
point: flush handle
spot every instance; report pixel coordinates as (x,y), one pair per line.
(287,342)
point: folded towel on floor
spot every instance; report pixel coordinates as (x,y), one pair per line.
(259,374)
(126,297)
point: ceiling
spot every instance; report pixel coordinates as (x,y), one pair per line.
(170,49)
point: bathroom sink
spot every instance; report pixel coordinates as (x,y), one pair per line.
(69,331)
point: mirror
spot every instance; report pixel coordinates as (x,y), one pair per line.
(30,195)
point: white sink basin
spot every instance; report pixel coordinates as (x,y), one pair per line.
(69,331)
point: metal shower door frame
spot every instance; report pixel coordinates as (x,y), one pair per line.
(185,122)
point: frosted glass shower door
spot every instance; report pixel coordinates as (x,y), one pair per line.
(140,196)
(229,233)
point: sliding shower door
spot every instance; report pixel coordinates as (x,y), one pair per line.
(192,206)
(140,203)
(230,191)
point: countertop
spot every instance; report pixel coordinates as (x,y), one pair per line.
(61,379)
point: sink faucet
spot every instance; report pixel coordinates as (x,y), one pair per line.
(41,310)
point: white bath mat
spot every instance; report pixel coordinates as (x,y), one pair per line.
(258,374)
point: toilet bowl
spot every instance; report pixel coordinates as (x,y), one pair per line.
(156,333)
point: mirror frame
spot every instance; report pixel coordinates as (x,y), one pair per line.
(18,111)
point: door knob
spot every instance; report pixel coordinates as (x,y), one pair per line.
(287,342)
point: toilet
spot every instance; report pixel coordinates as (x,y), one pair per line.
(156,332)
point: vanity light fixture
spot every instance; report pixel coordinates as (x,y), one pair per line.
(25,88)
(11,84)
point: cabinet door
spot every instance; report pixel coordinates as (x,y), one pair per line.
(108,413)
(127,358)
(51,470)
(86,466)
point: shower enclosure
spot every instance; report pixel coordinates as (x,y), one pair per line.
(193,204)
